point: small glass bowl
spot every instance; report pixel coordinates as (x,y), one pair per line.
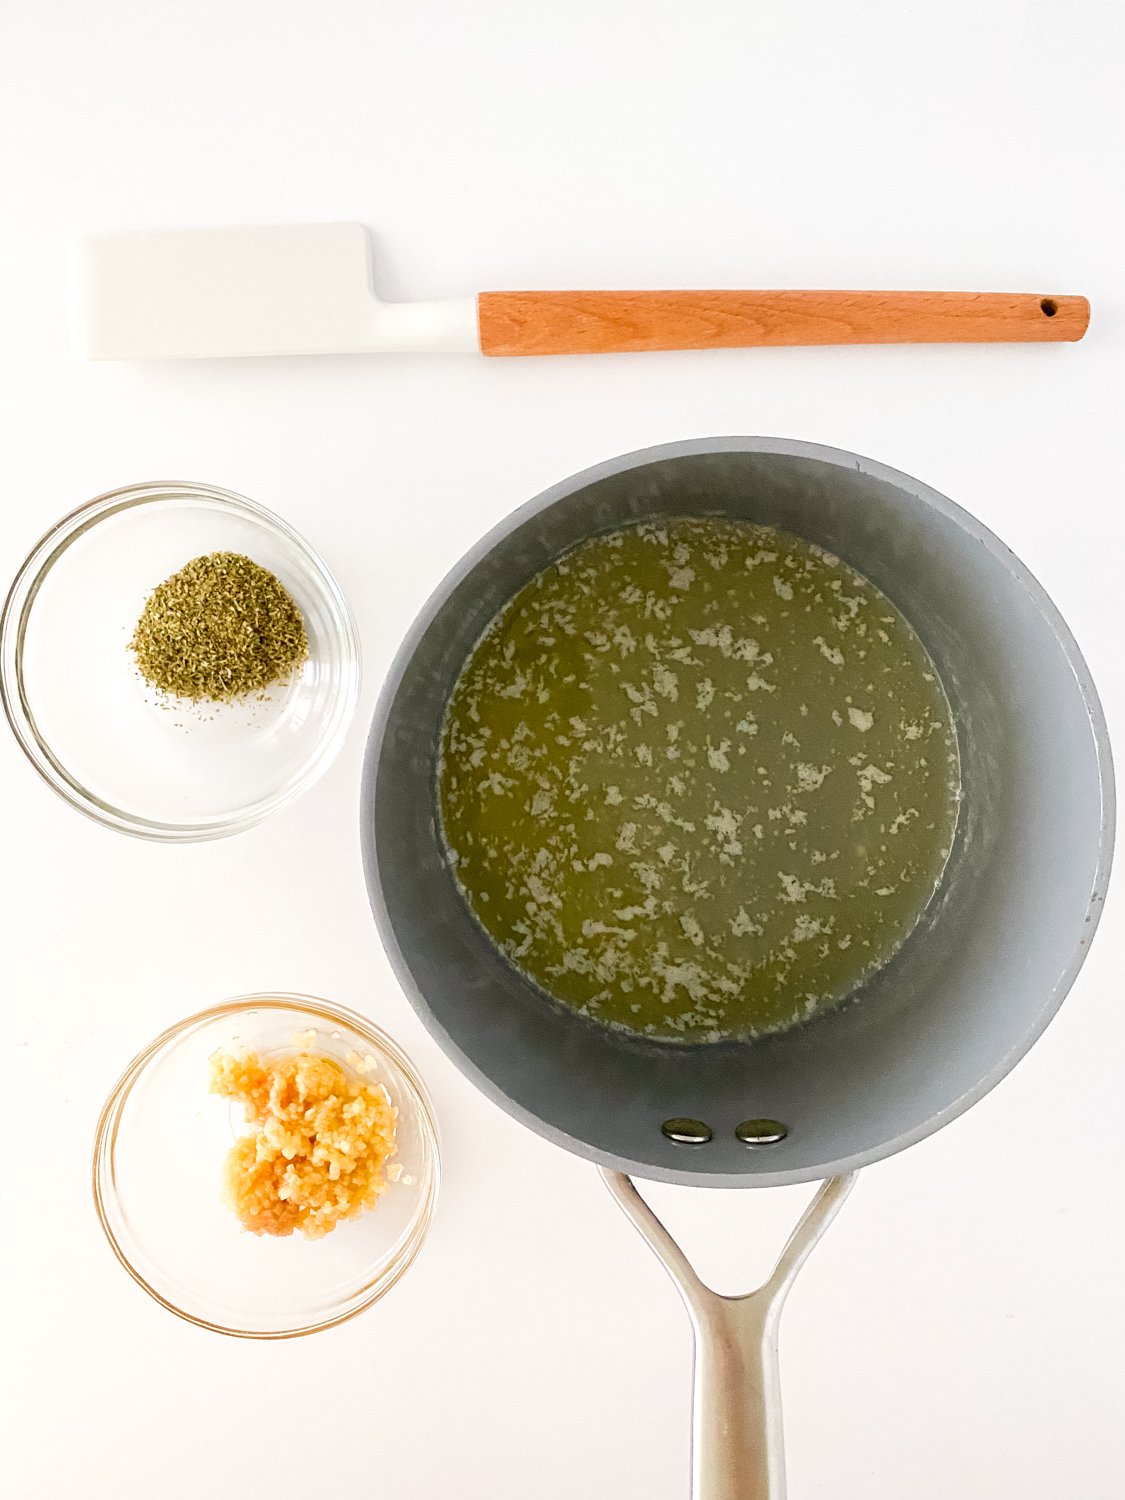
(157,1177)
(107,742)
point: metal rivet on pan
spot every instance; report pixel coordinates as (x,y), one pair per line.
(761,1132)
(687,1132)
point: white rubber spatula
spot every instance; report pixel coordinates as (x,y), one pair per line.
(307,289)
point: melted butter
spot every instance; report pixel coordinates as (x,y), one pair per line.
(698,779)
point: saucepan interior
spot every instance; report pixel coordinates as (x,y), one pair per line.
(965,996)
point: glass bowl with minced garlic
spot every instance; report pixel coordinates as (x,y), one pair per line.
(269,1167)
(177,662)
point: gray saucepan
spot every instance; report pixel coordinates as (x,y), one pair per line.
(951,1013)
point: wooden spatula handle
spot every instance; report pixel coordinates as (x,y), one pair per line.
(620,322)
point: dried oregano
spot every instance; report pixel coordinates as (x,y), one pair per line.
(220,627)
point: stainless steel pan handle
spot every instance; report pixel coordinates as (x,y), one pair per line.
(737,1445)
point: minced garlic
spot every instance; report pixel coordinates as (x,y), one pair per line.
(318,1146)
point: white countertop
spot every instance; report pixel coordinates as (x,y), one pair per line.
(961,1331)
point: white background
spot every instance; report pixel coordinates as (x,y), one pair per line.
(961,1331)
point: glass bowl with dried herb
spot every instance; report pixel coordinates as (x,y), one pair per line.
(268,1167)
(177,662)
